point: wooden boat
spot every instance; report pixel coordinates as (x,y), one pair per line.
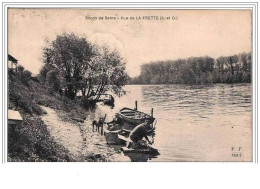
(133,116)
(143,149)
(109,100)
(113,137)
(149,132)
(149,150)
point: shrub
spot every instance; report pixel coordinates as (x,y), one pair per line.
(25,105)
(246,77)
(43,72)
(34,143)
(87,103)
(20,68)
(53,80)
(25,77)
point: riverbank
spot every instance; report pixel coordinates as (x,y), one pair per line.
(77,136)
(54,128)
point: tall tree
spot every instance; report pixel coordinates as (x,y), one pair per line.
(72,55)
(85,67)
(197,70)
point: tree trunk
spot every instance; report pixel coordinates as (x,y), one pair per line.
(231,66)
(101,90)
(83,92)
(70,93)
(89,88)
(99,85)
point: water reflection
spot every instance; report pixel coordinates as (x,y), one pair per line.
(193,123)
(135,157)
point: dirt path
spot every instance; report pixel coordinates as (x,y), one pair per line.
(95,143)
(79,138)
(65,133)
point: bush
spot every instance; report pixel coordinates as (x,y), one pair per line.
(30,107)
(239,77)
(43,72)
(87,103)
(20,68)
(22,99)
(25,77)
(25,105)
(53,80)
(33,142)
(246,77)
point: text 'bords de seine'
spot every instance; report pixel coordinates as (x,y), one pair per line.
(131,18)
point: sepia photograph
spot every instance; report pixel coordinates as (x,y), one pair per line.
(129,85)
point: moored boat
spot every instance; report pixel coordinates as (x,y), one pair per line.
(133,116)
(109,100)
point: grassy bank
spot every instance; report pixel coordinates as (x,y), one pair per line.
(31,141)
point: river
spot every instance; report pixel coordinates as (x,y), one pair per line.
(194,123)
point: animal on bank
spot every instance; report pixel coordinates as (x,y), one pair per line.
(99,124)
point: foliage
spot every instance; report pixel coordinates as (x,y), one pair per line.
(84,67)
(25,77)
(44,70)
(108,75)
(20,68)
(197,70)
(31,141)
(71,55)
(54,80)
(21,94)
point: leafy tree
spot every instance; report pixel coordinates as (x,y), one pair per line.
(187,75)
(54,80)
(20,68)
(72,56)
(109,73)
(25,77)
(197,70)
(84,67)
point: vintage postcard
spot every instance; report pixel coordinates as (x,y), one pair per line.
(165,85)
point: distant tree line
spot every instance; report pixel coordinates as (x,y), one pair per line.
(197,70)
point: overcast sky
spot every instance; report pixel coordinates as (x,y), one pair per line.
(196,33)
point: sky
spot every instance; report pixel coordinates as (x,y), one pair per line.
(139,40)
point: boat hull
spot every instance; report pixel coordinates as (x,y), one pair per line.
(124,114)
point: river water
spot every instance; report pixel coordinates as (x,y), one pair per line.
(201,123)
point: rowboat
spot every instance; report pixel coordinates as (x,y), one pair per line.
(108,100)
(133,116)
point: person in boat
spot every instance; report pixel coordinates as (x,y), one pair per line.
(140,132)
